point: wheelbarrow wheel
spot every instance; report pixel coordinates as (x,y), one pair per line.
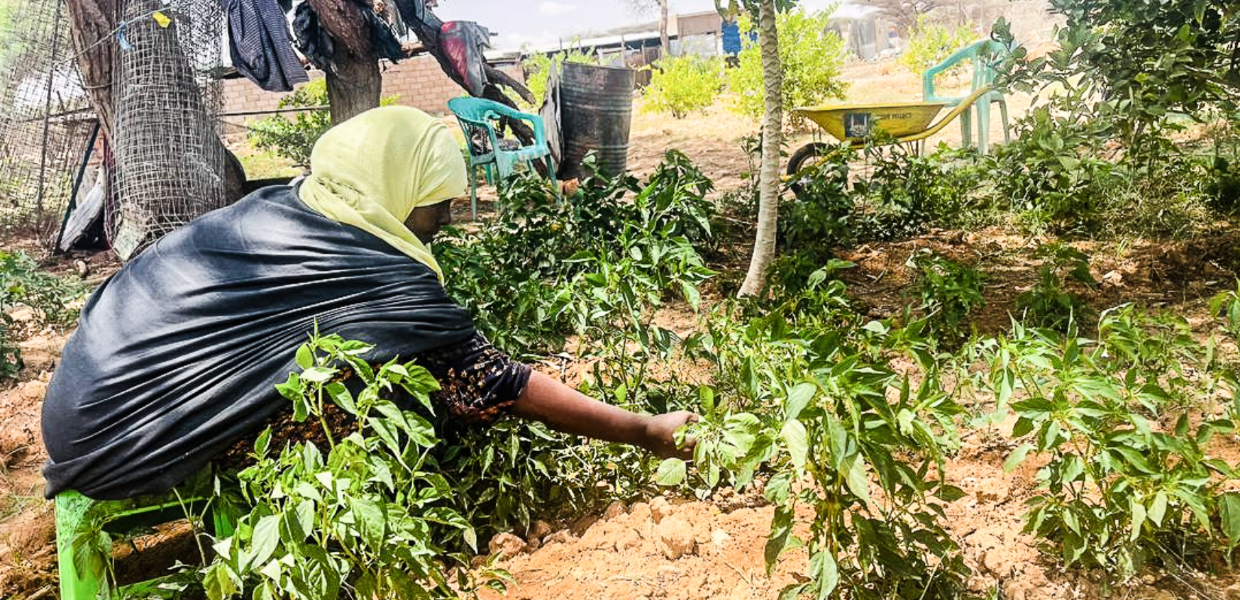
(805,156)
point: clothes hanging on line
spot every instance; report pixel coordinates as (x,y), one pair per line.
(412,12)
(463,42)
(316,43)
(260,46)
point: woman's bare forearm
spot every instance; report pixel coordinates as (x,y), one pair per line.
(566,410)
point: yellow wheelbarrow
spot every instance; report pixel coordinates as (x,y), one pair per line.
(904,122)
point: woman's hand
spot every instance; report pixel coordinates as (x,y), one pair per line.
(661,435)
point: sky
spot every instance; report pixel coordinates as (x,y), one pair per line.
(545,22)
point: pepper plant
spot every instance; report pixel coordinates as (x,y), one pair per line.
(1128,478)
(362,517)
(816,409)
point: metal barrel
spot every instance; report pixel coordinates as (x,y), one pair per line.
(597,111)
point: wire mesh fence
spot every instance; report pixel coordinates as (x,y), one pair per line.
(44,117)
(169,161)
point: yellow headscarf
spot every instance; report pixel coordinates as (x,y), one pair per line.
(374,169)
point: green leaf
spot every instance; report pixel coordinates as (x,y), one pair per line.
(370,520)
(798,398)
(1016,457)
(777,488)
(305,358)
(670,472)
(826,573)
(797,440)
(793,591)
(1158,508)
(777,540)
(855,477)
(1138,517)
(318,374)
(263,441)
(218,584)
(265,539)
(1229,513)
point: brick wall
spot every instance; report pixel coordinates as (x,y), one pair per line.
(418,81)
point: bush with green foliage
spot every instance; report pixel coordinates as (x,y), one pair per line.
(1126,77)
(362,517)
(1129,479)
(683,84)
(803,393)
(1049,303)
(294,138)
(52,298)
(529,277)
(930,43)
(537,68)
(949,292)
(811,59)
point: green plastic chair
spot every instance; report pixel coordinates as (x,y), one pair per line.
(78,518)
(985,55)
(477,117)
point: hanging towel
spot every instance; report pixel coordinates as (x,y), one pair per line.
(260,45)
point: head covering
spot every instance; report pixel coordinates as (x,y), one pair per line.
(374,169)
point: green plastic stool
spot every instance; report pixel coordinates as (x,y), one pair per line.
(76,515)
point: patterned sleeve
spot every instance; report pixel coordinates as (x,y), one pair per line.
(478,382)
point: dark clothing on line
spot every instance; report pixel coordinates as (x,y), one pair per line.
(260,46)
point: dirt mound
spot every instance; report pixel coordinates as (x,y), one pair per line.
(661,549)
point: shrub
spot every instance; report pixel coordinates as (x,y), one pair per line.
(1048,303)
(683,84)
(811,62)
(931,43)
(361,517)
(949,292)
(537,69)
(22,283)
(294,139)
(1129,479)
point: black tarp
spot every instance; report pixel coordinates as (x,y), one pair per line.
(177,354)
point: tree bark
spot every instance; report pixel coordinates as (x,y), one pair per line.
(92,21)
(768,172)
(93,24)
(355,85)
(663,39)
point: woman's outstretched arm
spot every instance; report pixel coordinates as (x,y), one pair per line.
(566,410)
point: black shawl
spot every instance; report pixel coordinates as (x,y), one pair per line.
(177,354)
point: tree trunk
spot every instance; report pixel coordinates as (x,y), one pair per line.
(94,20)
(768,172)
(667,44)
(355,85)
(93,24)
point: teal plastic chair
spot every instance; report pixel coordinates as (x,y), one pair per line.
(477,118)
(985,55)
(83,573)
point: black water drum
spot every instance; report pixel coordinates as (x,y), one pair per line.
(597,111)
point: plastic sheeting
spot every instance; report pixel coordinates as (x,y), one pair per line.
(177,355)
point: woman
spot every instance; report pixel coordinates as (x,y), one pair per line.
(176,356)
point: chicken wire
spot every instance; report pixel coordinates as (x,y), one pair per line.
(45,122)
(169,161)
